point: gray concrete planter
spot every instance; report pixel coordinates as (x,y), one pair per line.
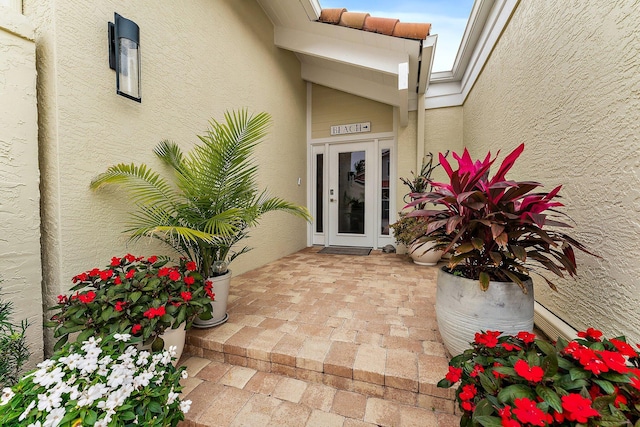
(462,309)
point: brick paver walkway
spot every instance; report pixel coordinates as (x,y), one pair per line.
(323,340)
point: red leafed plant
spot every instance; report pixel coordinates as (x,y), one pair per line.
(495,228)
(523,381)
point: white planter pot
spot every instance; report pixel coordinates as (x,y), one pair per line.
(421,255)
(462,309)
(219,305)
(175,337)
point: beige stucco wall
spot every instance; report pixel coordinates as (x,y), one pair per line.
(332,107)
(20,271)
(442,132)
(564,80)
(199,58)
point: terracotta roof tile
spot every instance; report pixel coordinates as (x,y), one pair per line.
(331,16)
(353,19)
(364,21)
(380,25)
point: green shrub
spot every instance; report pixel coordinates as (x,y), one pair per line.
(13,348)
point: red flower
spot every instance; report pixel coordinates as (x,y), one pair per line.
(154,312)
(454,374)
(496,373)
(129,257)
(94,272)
(578,408)
(476,370)
(174,275)
(164,271)
(591,362)
(508,422)
(62,299)
(115,261)
(469,391)
(152,259)
(130,273)
(117,280)
(614,361)
(191,266)
(186,296)
(467,406)
(120,305)
(188,280)
(526,337)
(208,286)
(510,347)
(635,382)
(590,334)
(106,274)
(83,277)
(623,348)
(527,412)
(87,298)
(489,338)
(529,373)
(136,328)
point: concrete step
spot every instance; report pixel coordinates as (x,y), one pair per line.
(224,394)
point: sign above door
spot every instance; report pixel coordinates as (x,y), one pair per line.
(351,128)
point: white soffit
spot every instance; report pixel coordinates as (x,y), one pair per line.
(486,23)
(383,68)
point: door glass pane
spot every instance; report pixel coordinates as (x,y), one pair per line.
(351,201)
(319,192)
(384,191)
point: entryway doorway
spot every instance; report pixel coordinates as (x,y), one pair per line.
(353,195)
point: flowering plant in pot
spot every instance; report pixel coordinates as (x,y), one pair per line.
(408,230)
(98,382)
(497,231)
(136,295)
(518,380)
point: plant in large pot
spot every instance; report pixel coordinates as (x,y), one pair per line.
(497,232)
(408,230)
(210,202)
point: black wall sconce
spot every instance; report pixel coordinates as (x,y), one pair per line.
(124,56)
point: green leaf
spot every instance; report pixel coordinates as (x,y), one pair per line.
(483,407)
(107,314)
(545,347)
(488,382)
(154,407)
(484,281)
(550,396)
(550,365)
(487,421)
(84,335)
(135,296)
(62,341)
(91,418)
(615,377)
(606,386)
(515,391)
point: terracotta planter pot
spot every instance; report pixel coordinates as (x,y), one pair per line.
(219,306)
(421,255)
(462,309)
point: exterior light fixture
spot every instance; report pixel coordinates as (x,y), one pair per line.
(124,56)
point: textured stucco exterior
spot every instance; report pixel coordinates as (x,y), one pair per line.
(442,132)
(199,58)
(20,269)
(564,80)
(331,107)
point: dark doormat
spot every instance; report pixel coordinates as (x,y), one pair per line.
(342,250)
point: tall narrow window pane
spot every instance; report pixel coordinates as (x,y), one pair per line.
(319,193)
(351,200)
(384,191)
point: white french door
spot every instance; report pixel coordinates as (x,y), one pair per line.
(352,194)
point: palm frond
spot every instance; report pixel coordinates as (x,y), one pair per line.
(171,154)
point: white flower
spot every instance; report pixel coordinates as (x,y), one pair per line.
(36,424)
(48,402)
(48,379)
(184,374)
(7,394)
(172,397)
(94,393)
(71,360)
(27,410)
(142,380)
(46,364)
(185,405)
(54,418)
(101,423)
(122,337)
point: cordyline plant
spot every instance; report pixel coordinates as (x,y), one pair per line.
(136,295)
(518,380)
(494,227)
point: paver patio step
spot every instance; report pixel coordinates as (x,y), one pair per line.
(230,395)
(393,374)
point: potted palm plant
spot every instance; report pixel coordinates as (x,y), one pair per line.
(496,231)
(209,203)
